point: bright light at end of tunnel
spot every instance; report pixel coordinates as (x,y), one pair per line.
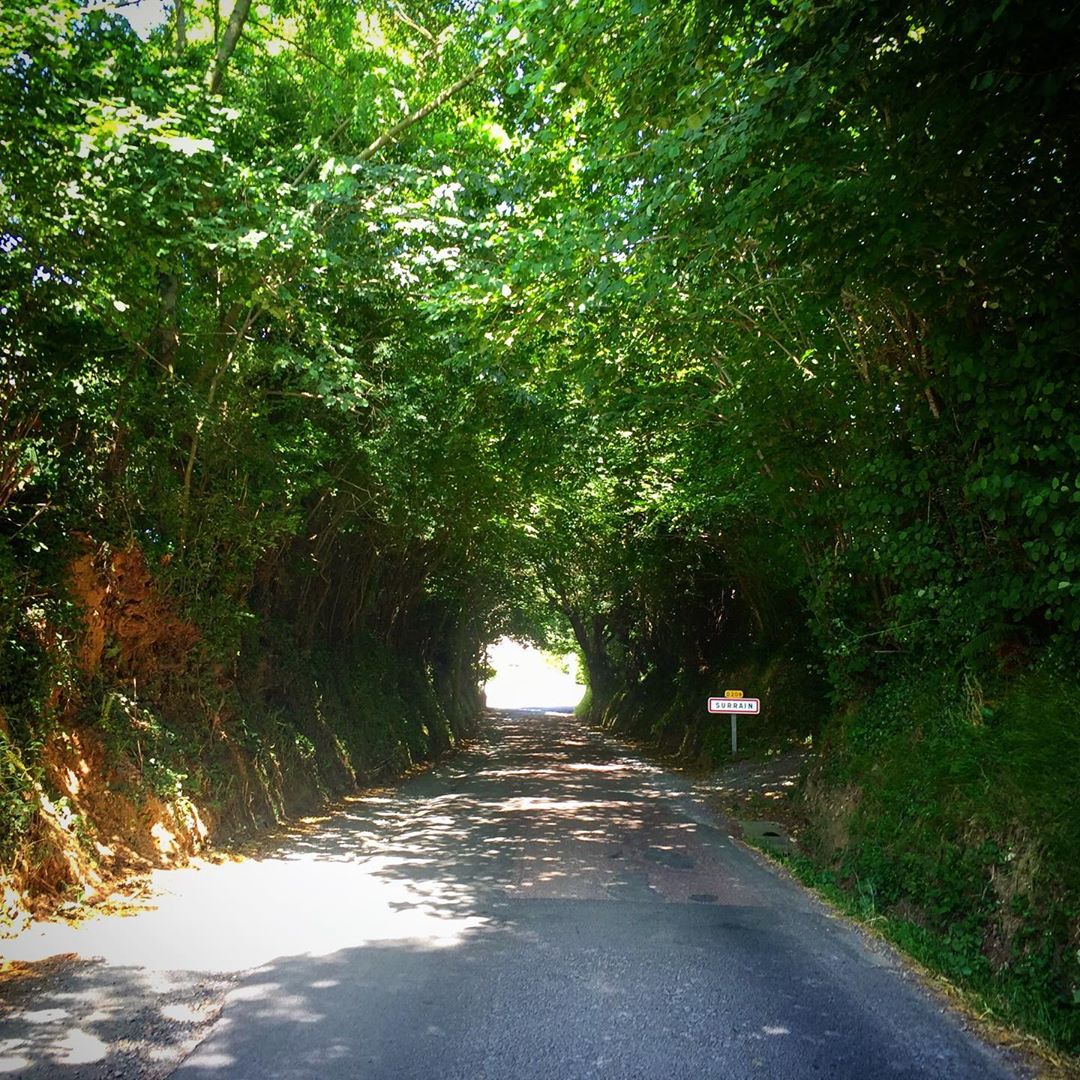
(526,678)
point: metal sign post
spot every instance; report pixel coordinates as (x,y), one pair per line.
(734,703)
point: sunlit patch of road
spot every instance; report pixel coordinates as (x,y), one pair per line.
(236,915)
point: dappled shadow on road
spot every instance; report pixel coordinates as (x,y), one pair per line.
(539,808)
(524,1001)
(565,988)
(85,1018)
(773,779)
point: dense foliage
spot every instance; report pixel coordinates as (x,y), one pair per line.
(737,340)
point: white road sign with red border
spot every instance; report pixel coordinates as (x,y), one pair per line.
(735,705)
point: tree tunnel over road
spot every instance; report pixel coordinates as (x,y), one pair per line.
(729,345)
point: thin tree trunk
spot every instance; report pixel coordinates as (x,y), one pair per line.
(181,30)
(211,395)
(228,45)
(168,334)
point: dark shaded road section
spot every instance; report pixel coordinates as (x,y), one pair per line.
(553,907)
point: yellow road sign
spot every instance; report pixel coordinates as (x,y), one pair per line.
(732,693)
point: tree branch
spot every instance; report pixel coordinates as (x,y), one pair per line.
(413,118)
(420,114)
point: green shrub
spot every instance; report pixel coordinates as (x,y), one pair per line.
(964,836)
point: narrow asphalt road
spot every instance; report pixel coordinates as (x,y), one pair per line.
(545,905)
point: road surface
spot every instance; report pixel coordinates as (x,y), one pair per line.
(544,905)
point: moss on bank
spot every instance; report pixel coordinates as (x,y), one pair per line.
(950,813)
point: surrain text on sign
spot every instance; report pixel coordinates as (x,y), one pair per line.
(734,705)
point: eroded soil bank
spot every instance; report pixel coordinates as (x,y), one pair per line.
(139,744)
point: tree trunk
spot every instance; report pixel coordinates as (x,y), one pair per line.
(228,45)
